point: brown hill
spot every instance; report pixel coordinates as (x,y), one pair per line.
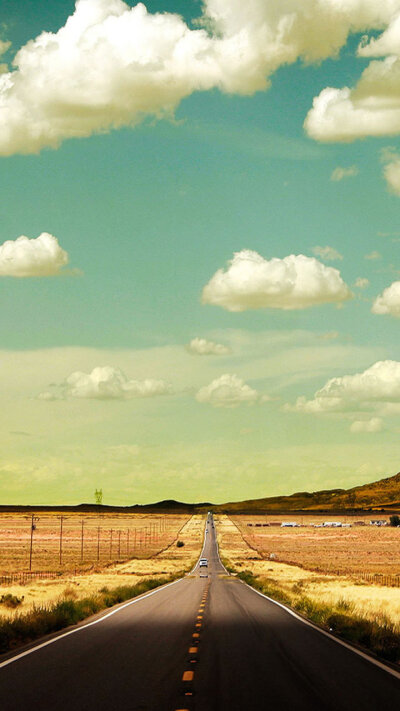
(380,495)
(383,494)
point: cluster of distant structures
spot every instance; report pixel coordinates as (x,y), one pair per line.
(394,521)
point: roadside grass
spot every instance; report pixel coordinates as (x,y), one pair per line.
(367,615)
(169,562)
(43,620)
(379,636)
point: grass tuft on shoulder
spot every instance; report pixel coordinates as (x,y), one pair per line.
(381,636)
(43,620)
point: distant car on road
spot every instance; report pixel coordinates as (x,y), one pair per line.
(203,563)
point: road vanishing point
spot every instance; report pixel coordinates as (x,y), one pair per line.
(207,642)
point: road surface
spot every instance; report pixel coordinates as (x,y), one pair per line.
(202,644)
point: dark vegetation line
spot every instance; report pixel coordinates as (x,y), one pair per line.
(43,620)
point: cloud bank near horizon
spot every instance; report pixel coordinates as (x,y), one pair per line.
(377,388)
(105,383)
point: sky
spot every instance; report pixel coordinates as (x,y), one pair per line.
(199,238)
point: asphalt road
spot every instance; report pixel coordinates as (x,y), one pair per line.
(202,644)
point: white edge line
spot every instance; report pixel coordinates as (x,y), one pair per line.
(377,663)
(313,626)
(100,619)
(89,624)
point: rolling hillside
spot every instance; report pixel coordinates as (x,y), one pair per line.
(382,494)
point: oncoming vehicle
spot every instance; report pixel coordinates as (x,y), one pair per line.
(203,563)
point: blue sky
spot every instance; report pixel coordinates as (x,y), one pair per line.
(147,215)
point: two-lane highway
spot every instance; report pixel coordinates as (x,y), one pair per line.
(202,644)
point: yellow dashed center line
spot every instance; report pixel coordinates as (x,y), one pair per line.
(188,676)
(193,650)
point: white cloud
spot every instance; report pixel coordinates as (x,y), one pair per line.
(361,283)
(295,282)
(38,257)
(375,424)
(328,253)
(106,383)
(376,387)
(388,302)
(373,256)
(391,170)
(341,173)
(227,391)
(112,64)
(372,108)
(200,346)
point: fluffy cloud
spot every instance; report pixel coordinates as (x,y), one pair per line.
(372,108)
(227,391)
(372,256)
(375,424)
(328,253)
(341,173)
(375,388)
(295,282)
(388,302)
(38,257)
(111,64)
(106,383)
(200,346)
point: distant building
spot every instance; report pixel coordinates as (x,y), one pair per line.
(378,522)
(289,524)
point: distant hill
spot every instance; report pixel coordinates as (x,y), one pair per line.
(380,495)
(168,506)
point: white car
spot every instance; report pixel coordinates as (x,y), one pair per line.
(203,563)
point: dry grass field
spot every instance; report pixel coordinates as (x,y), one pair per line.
(170,561)
(85,540)
(344,551)
(376,603)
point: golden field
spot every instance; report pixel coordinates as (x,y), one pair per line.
(163,563)
(373,602)
(343,551)
(106,538)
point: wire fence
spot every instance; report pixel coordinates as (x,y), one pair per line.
(258,544)
(26,576)
(55,544)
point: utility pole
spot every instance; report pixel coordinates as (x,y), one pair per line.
(127,543)
(119,545)
(134,540)
(61,537)
(111,532)
(33,518)
(82,522)
(98,543)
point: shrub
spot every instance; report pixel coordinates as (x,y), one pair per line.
(395,520)
(11,600)
(179,544)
